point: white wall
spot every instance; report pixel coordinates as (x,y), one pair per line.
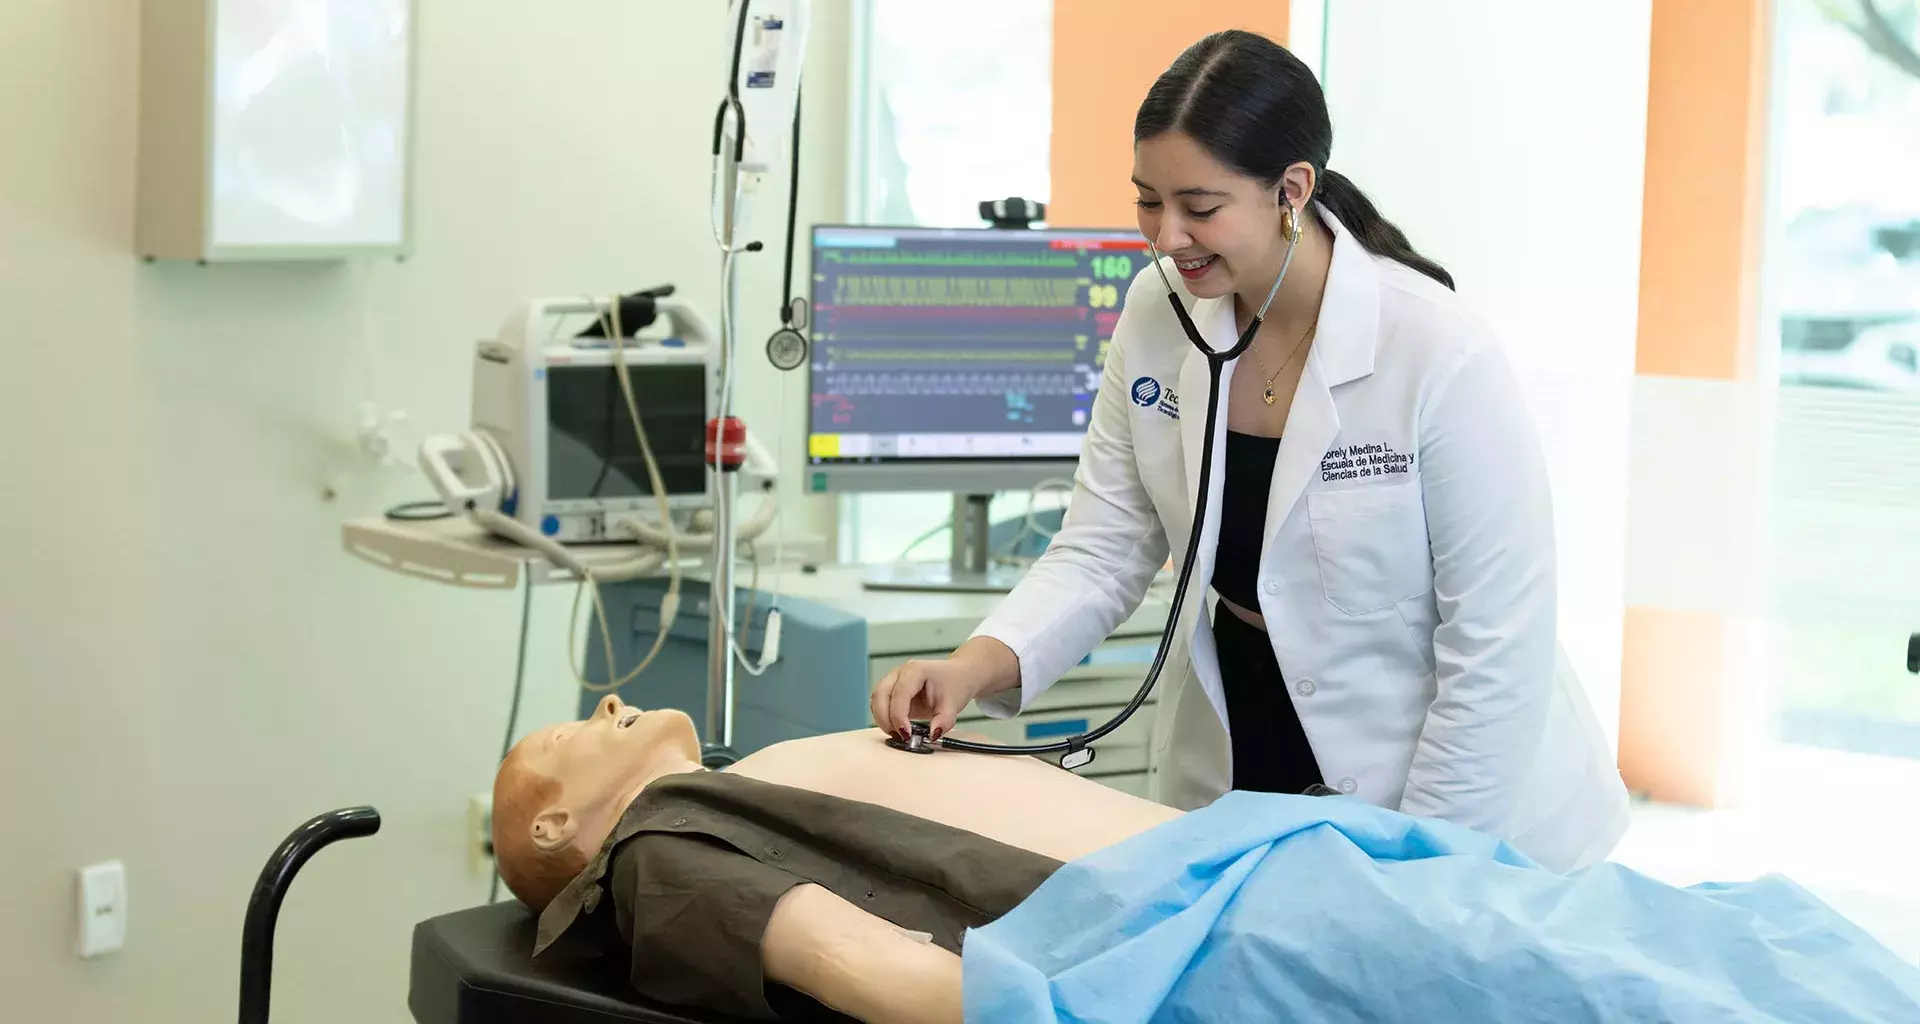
(191,665)
(1507,137)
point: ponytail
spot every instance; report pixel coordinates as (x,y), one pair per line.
(1259,110)
(1376,233)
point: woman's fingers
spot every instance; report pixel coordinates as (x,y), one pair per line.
(912,679)
(930,691)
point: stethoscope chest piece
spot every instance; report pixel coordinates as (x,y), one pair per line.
(918,743)
(787,349)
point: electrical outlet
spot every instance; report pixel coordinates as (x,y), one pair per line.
(102,909)
(480,834)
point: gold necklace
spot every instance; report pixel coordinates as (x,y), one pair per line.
(1268,394)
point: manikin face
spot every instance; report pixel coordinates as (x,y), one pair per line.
(600,763)
(1221,227)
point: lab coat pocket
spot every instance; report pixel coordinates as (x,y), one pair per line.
(1371,544)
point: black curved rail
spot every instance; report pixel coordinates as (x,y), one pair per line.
(263,910)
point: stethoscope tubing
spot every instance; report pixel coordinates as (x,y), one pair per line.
(1215,362)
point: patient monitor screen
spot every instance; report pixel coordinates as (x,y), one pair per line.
(592,451)
(937,344)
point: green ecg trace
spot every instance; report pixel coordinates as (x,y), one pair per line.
(889,258)
(914,355)
(1013,292)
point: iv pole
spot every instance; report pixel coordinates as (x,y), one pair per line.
(769,39)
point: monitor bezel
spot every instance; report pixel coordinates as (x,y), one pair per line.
(858,468)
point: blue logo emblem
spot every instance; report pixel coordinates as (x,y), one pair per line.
(1146,391)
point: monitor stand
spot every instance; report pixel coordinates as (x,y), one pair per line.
(969,571)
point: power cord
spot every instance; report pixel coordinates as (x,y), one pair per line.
(513,709)
(589,578)
(770,640)
(936,531)
(1032,527)
(670,604)
(419,511)
(665,535)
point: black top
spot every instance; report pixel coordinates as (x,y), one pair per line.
(698,861)
(1243,517)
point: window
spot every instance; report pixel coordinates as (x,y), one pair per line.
(953,106)
(1843,288)
(1847,159)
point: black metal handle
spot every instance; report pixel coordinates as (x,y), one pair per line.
(263,910)
(1913,654)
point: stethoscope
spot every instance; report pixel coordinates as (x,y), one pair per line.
(1077,750)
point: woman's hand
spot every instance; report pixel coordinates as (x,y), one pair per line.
(937,689)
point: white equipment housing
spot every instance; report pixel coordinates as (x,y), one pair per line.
(554,408)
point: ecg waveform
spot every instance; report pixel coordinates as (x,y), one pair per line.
(897,258)
(889,321)
(894,384)
(864,354)
(998,292)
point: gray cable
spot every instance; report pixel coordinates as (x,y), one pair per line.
(519,682)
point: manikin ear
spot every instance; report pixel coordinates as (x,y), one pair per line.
(553,829)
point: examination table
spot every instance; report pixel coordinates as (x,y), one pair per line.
(473,966)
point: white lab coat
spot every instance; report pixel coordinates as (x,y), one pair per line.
(1407,578)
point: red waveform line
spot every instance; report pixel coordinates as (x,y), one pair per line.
(1099,244)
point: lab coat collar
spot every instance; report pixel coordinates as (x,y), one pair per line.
(1342,351)
(1349,321)
(1349,324)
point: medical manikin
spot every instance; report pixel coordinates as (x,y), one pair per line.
(838,871)
(983,831)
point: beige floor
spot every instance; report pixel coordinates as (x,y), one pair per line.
(1844,826)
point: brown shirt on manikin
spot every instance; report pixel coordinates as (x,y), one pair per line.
(698,861)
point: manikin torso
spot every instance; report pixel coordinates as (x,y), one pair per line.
(816,941)
(1020,801)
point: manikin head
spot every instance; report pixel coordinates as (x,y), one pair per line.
(561,789)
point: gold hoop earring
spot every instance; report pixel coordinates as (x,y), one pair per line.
(1290,224)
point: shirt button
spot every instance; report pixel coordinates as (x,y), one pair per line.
(1347,785)
(774,852)
(1305,688)
(677,822)
(1273,586)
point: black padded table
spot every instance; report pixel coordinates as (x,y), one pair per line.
(474,967)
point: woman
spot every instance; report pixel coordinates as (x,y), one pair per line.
(1379,535)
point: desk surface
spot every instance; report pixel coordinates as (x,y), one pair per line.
(902,621)
(459,553)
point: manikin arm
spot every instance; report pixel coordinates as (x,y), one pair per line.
(856,963)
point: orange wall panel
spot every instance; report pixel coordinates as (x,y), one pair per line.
(1105,57)
(1673,667)
(1700,234)
(1699,306)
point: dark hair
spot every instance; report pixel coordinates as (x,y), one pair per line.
(1256,108)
